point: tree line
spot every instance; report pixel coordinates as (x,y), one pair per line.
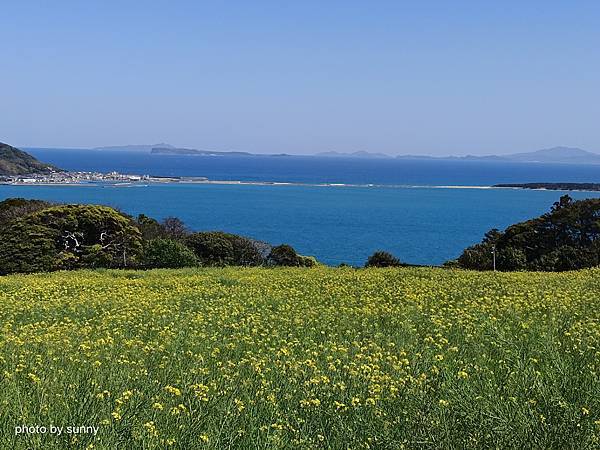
(38,236)
(565,238)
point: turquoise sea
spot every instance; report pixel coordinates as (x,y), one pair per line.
(420,224)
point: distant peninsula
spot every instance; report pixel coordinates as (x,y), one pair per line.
(552,186)
(17,162)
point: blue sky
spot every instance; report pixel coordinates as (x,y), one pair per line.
(423,77)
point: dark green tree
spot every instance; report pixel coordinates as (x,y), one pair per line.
(150,228)
(15,208)
(216,248)
(383,259)
(285,255)
(480,256)
(167,253)
(69,237)
(565,238)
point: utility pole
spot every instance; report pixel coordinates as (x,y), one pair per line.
(494,256)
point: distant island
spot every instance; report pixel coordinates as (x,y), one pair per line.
(191,151)
(359,154)
(557,155)
(17,162)
(194,152)
(560,155)
(554,155)
(552,186)
(134,148)
(18,167)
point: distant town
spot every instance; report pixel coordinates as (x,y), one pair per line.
(68,178)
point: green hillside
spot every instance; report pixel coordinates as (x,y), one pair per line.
(17,162)
(301,358)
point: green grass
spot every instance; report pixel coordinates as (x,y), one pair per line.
(301,358)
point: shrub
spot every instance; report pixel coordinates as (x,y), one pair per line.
(69,237)
(150,228)
(215,248)
(285,255)
(382,259)
(15,208)
(308,261)
(452,264)
(167,253)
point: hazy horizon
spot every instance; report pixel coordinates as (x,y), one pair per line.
(302,78)
(424,154)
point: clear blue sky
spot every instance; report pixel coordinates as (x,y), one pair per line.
(422,77)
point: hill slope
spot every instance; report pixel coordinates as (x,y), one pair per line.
(17,162)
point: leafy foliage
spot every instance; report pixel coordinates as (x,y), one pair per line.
(285,255)
(480,256)
(69,237)
(168,253)
(40,237)
(15,208)
(565,238)
(383,259)
(216,248)
(150,228)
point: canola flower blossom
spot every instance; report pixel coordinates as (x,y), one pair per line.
(302,358)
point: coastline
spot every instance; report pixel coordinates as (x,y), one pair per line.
(170,181)
(183,181)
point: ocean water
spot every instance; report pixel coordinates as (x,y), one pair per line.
(320,170)
(422,225)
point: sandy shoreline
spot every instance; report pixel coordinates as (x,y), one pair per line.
(158,182)
(242,183)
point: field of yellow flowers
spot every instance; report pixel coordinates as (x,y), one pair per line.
(300,358)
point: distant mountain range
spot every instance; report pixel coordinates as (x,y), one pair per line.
(558,155)
(563,155)
(17,162)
